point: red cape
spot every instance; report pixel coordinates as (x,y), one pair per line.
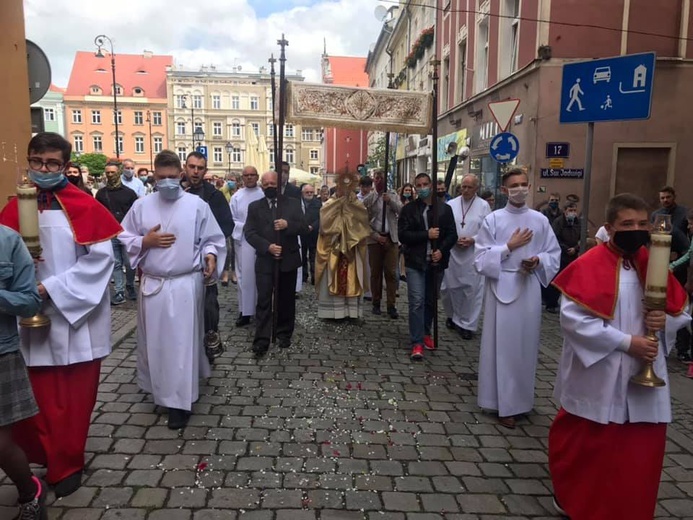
(591,281)
(90,221)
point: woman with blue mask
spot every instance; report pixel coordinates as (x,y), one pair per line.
(64,360)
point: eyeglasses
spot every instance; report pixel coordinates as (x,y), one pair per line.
(52,165)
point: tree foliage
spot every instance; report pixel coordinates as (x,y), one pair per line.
(96,162)
(377,158)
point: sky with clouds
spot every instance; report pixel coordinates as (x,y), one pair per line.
(224,33)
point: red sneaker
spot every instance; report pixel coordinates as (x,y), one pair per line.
(417,353)
(428,343)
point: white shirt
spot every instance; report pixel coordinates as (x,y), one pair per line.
(135,185)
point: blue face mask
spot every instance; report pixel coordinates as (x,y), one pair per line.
(46,181)
(169,188)
(424,193)
(231,184)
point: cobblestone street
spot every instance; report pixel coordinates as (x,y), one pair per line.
(342,426)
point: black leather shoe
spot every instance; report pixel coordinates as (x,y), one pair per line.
(392,312)
(259,353)
(284,343)
(466,334)
(177,418)
(376,310)
(450,324)
(242,321)
(68,485)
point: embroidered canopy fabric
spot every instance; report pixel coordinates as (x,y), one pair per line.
(362,108)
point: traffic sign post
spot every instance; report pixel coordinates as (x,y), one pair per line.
(610,89)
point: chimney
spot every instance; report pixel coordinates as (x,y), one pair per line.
(147,54)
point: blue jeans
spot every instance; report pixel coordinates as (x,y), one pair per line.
(420,285)
(121,260)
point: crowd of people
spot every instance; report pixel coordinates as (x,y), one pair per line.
(168,247)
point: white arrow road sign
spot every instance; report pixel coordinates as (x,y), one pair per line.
(503,112)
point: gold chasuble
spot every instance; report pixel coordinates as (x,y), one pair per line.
(341,248)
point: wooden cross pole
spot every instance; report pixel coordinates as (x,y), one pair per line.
(434,186)
(277,156)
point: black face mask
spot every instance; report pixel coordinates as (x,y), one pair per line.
(441,194)
(630,241)
(74,179)
(271,192)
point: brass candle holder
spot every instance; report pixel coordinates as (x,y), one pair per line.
(27,208)
(656,290)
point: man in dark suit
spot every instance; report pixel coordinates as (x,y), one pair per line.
(311,210)
(266,216)
(288,189)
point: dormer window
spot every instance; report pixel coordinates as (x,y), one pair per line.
(119,90)
(137,91)
(95,90)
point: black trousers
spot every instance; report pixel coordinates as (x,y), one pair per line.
(308,256)
(211,308)
(286,308)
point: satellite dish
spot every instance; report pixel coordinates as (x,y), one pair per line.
(39,72)
(380,13)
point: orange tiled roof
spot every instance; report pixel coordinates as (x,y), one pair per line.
(348,71)
(55,88)
(145,71)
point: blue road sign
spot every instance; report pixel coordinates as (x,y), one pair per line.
(610,89)
(202,150)
(504,147)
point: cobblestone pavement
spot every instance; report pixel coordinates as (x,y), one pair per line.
(342,426)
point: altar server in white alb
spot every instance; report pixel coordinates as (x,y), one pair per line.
(245,253)
(64,359)
(462,291)
(173,237)
(517,251)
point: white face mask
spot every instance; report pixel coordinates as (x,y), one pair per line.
(518,195)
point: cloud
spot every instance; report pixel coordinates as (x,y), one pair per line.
(224,33)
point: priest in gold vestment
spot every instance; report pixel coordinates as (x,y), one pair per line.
(340,261)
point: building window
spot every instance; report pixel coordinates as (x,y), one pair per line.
(235,129)
(96,91)
(235,103)
(98,143)
(481,61)
(139,144)
(156,118)
(289,130)
(180,128)
(119,116)
(314,170)
(79,143)
(216,101)
(158,144)
(180,101)
(77,116)
(313,155)
(307,134)
(198,126)
(254,103)
(289,155)
(218,155)
(197,101)
(514,34)
(445,101)
(461,93)
(96,117)
(217,129)
(48,114)
(256,128)
(139,120)
(120,144)
(236,155)
(119,90)
(270,129)
(182,153)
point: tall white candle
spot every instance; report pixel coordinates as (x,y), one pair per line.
(27,205)
(658,267)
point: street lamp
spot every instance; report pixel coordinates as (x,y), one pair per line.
(199,136)
(229,151)
(99,42)
(151,148)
